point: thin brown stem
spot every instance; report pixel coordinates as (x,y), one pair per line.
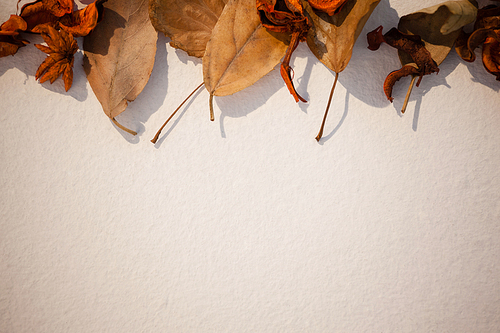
(123,127)
(408,93)
(320,134)
(161,128)
(211,105)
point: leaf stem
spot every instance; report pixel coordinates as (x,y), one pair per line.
(166,122)
(408,93)
(320,134)
(123,127)
(211,105)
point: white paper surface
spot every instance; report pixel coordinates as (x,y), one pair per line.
(247,224)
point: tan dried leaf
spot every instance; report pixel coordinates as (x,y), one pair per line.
(332,38)
(120,54)
(438,27)
(188,23)
(240,50)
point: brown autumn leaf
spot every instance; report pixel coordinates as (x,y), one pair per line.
(240,51)
(61,47)
(188,23)
(120,54)
(332,38)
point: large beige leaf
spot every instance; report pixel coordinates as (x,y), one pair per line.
(332,38)
(120,54)
(438,26)
(188,23)
(240,51)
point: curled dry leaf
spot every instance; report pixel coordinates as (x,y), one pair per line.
(188,23)
(120,54)
(9,35)
(81,22)
(240,51)
(60,48)
(486,32)
(425,38)
(45,12)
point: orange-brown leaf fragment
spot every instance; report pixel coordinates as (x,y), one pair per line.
(331,7)
(61,49)
(491,55)
(9,32)
(83,21)
(45,12)
(394,76)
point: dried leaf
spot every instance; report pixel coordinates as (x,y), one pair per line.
(491,55)
(120,54)
(61,49)
(438,26)
(332,38)
(188,23)
(9,35)
(45,12)
(240,51)
(486,32)
(83,21)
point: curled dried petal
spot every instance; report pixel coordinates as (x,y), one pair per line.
(394,76)
(375,38)
(465,48)
(491,55)
(330,7)
(81,22)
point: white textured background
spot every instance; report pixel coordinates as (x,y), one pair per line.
(247,224)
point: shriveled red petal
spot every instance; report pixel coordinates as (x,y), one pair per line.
(491,55)
(286,70)
(394,76)
(331,7)
(375,38)
(47,63)
(68,75)
(59,7)
(14,23)
(44,48)
(81,22)
(9,46)
(478,37)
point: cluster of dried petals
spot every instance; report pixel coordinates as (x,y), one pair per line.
(9,35)
(47,17)
(285,16)
(61,47)
(486,32)
(331,7)
(410,44)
